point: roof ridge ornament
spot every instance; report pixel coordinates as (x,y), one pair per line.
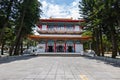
(60,18)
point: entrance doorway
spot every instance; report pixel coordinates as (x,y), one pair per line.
(60,48)
(70,49)
(50,48)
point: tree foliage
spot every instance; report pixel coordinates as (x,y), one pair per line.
(103,18)
(18,16)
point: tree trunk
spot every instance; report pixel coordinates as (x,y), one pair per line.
(11,49)
(119,51)
(18,48)
(17,43)
(94,42)
(21,47)
(2,32)
(28,45)
(101,42)
(18,37)
(2,48)
(114,43)
(97,41)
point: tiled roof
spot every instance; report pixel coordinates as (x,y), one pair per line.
(61,20)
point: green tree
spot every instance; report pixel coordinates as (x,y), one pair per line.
(103,19)
(87,44)
(25,21)
(5,16)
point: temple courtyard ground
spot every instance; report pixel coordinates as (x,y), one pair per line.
(57,68)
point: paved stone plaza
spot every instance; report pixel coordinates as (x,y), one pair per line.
(57,68)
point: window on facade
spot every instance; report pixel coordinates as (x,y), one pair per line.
(77,42)
(70,42)
(50,42)
(69,27)
(60,27)
(50,27)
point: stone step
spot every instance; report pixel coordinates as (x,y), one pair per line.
(59,54)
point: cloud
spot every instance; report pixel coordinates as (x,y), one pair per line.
(51,9)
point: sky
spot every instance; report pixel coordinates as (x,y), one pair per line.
(60,9)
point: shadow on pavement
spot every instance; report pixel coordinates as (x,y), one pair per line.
(106,60)
(9,59)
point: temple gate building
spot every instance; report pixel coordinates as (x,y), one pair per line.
(60,35)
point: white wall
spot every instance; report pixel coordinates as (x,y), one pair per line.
(44,27)
(41,48)
(79,48)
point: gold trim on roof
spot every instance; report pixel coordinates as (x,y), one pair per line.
(60,37)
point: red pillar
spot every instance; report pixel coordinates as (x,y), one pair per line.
(46,47)
(65,47)
(54,46)
(47,27)
(74,46)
